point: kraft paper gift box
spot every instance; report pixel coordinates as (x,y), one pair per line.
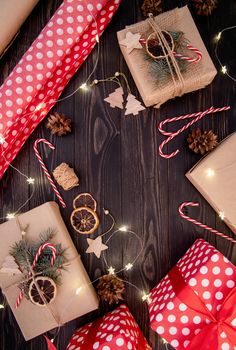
(32,319)
(37,81)
(214,177)
(12,15)
(116,330)
(194,306)
(196,76)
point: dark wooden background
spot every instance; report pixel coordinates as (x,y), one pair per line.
(116,159)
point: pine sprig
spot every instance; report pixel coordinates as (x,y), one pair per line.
(24,253)
(159,68)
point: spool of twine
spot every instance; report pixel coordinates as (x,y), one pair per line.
(65,176)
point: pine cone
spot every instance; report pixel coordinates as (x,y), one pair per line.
(205,7)
(202,142)
(151,6)
(110,288)
(59,124)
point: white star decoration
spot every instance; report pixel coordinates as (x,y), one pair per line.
(131,41)
(96,246)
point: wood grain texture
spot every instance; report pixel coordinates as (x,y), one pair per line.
(116,160)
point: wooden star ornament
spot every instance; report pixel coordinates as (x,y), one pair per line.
(96,246)
(131,41)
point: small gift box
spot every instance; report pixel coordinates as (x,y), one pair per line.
(13,14)
(194,306)
(37,81)
(161,45)
(116,330)
(214,177)
(68,304)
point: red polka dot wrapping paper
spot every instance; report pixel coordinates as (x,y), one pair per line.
(212,279)
(37,81)
(117,330)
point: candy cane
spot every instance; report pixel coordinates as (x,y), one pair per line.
(39,252)
(197,223)
(46,170)
(172,135)
(181,56)
(187,58)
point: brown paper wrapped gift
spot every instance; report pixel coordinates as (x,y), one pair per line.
(12,15)
(214,176)
(32,319)
(196,76)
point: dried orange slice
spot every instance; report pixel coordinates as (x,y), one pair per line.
(84,220)
(85,200)
(47,287)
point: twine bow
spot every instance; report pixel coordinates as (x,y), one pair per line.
(177,78)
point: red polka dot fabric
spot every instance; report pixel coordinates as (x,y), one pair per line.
(117,330)
(212,278)
(39,78)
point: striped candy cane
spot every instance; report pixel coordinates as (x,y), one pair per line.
(181,56)
(41,162)
(172,135)
(187,58)
(197,223)
(39,252)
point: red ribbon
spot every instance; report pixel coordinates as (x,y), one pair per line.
(209,337)
(50,345)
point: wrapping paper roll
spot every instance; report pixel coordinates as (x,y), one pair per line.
(37,81)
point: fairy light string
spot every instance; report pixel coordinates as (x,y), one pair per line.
(218,39)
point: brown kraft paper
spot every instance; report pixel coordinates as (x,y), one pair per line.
(32,319)
(196,76)
(220,188)
(13,13)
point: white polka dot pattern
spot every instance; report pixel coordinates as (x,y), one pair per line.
(116,330)
(45,69)
(211,276)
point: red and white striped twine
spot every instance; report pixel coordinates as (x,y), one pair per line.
(197,223)
(172,135)
(61,200)
(39,252)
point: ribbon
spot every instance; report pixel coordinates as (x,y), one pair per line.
(50,345)
(220,321)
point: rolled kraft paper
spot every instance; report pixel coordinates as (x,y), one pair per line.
(13,13)
(65,176)
(37,81)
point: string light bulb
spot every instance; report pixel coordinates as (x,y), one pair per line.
(30,180)
(1,306)
(218,36)
(210,172)
(84,86)
(123,229)
(52,340)
(224,69)
(129,266)
(147,297)
(222,215)
(97,38)
(10,216)
(40,106)
(78,290)
(111,270)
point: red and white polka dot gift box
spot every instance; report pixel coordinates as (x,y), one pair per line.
(37,81)
(194,306)
(117,330)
